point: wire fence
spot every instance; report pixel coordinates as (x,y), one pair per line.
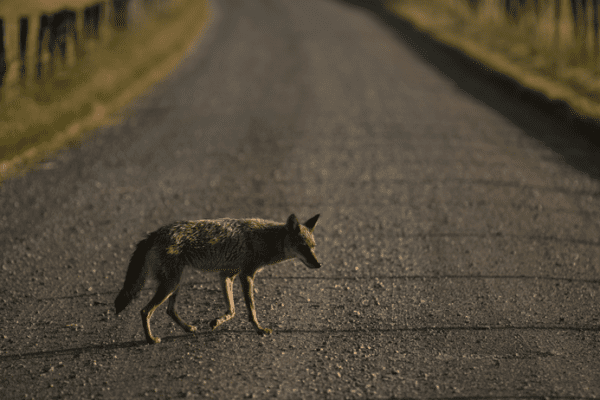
(40,42)
(569,28)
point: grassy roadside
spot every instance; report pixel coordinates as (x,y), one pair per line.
(58,112)
(28,7)
(511,50)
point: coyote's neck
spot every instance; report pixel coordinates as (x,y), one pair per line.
(271,245)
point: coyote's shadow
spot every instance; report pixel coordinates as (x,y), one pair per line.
(212,336)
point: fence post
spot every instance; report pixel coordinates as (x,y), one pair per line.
(13,60)
(556,39)
(580,25)
(79,31)
(596,27)
(91,27)
(45,39)
(70,43)
(32,53)
(104,25)
(119,13)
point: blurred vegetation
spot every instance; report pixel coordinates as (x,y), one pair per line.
(26,7)
(553,51)
(56,111)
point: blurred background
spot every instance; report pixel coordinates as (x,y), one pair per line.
(65,65)
(549,45)
(460,215)
(62,61)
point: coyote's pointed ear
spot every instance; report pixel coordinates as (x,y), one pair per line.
(311,223)
(292,224)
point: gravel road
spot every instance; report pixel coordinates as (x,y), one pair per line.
(459,231)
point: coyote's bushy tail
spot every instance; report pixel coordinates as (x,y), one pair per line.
(137,272)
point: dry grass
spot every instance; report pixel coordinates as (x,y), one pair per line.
(536,51)
(57,112)
(10,8)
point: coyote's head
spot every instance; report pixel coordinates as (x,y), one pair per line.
(300,241)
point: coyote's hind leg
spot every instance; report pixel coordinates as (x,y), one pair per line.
(168,286)
(162,293)
(173,313)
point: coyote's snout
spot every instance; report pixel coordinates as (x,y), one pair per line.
(231,246)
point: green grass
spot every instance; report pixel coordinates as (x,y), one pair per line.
(537,52)
(60,110)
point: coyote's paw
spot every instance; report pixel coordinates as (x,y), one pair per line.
(153,340)
(218,321)
(264,331)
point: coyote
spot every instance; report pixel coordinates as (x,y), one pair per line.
(231,246)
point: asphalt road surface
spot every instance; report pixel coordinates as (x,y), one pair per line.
(459,231)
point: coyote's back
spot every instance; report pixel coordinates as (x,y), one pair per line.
(212,244)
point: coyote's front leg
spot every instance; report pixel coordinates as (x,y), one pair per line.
(227,279)
(248,289)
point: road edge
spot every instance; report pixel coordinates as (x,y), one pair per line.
(103,115)
(579,110)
